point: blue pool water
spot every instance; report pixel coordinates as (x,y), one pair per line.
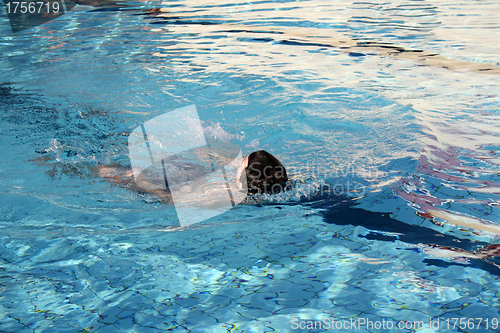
(394,105)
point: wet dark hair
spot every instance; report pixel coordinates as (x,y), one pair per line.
(265,173)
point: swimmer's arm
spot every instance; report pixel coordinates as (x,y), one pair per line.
(120,175)
(124,177)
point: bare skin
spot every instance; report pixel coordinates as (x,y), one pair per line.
(124,177)
(113,173)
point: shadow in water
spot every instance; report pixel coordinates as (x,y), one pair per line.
(342,210)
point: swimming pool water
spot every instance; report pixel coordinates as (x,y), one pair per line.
(393,105)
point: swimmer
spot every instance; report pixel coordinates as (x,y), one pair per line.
(264,174)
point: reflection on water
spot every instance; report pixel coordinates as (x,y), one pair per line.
(399,97)
(300,60)
(339,84)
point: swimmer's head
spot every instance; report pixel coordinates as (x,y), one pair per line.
(264,173)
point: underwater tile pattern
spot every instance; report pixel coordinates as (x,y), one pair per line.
(389,87)
(253,276)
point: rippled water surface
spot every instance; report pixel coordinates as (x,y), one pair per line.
(386,115)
